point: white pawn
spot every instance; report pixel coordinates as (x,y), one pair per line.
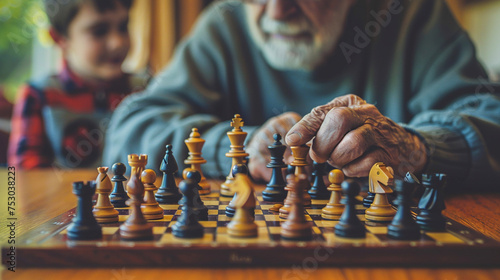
(150,208)
(333,210)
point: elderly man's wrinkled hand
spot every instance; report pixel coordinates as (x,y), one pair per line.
(352,135)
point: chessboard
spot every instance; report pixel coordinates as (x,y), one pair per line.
(49,246)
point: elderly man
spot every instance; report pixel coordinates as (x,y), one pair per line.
(391,81)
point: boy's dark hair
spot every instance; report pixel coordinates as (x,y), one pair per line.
(62,12)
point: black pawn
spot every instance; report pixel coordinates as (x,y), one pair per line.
(199,209)
(403,227)
(431,203)
(349,225)
(368,200)
(318,189)
(275,190)
(237,169)
(168,193)
(187,225)
(119,196)
(84,226)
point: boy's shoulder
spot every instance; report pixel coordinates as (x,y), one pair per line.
(44,83)
(60,84)
(36,88)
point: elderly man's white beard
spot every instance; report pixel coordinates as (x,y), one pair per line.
(304,53)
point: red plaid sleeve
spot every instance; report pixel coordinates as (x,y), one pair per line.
(29,146)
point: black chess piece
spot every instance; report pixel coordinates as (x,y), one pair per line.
(275,190)
(119,196)
(230,210)
(187,225)
(199,209)
(84,226)
(290,169)
(349,224)
(319,189)
(431,203)
(168,193)
(368,200)
(403,227)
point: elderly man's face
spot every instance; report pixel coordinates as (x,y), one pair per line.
(296,34)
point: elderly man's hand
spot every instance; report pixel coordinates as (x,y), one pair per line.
(263,137)
(353,135)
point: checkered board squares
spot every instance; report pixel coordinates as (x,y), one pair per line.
(376,233)
(269,227)
(48,245)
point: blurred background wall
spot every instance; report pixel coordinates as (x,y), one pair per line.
(481,19)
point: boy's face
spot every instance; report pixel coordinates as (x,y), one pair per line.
(97,43)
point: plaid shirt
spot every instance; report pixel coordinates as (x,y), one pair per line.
(32,143)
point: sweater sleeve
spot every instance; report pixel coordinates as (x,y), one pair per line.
(459,117)
(187,94)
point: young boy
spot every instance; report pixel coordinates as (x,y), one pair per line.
(61,120)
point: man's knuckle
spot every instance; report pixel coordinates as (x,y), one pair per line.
(319,112)
(341,117)
(352,97)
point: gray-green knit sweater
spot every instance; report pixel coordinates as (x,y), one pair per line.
(418,67)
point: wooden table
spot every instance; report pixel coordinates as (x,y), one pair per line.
(44,194)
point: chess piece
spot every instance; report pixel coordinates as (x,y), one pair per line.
(275,189)
(104,212)
(285,209)
(187,225)
(349,225)
(242,224)
(137,164)
(150,208)
(276,207)
(296,227)
(136,227)
(318,189)
(237,152)
(119,196)
(334,209)
(199,209)
(380,179)
(403,227)
(431,203)
(300,162)
(231,207)
(195,144)
(168,193)
(84,226)
(368,200)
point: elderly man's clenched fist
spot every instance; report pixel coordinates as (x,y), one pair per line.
(352,135)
